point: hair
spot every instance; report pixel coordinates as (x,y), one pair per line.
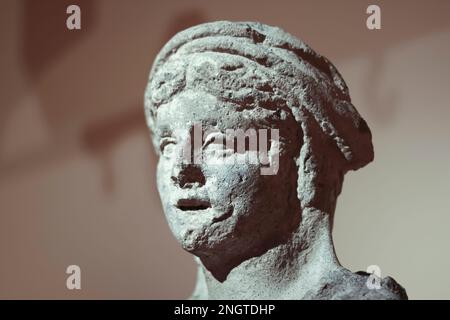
(256,65)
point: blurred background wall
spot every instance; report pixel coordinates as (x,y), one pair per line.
(77,173)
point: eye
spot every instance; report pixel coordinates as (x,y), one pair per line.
(223,144)
(167,146)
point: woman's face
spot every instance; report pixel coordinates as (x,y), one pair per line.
(217,207)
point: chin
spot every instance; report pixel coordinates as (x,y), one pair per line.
(204,242)
(193,240)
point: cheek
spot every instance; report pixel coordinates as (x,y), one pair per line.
(163,171)
(232,184)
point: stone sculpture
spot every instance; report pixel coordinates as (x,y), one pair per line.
(256,234)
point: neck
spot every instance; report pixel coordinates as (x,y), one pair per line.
(288,270)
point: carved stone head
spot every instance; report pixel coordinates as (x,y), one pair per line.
(254,132)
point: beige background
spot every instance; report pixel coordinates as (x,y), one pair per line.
(77,172)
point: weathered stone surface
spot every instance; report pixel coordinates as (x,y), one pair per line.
(256,235)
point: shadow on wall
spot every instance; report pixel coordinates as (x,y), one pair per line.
(44,42)
(100,138)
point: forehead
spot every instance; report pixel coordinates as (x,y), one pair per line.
(198,107)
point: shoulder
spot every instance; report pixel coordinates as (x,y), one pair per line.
(346,285)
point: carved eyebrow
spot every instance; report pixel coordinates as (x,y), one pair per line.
(167,138)
(210,138)
(165,141)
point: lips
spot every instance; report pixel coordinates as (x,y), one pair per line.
(193,204)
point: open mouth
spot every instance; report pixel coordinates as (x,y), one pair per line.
(193,204)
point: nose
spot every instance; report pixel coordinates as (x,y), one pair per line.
(188,175)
